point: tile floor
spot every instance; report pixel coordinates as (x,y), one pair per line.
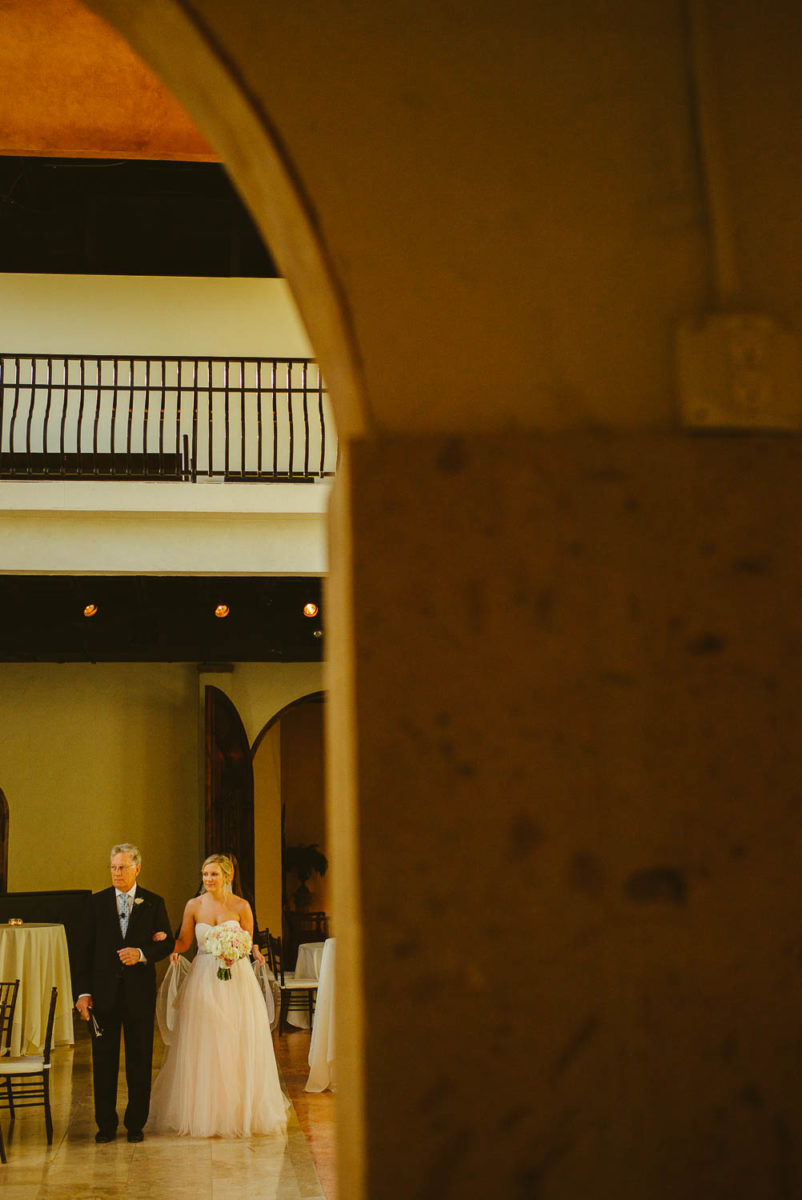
(165,1167)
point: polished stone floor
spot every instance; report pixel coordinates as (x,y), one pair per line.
(74,1168)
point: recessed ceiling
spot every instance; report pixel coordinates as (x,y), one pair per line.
(146,618)
(124,217)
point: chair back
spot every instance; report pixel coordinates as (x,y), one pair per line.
(8,1003)
(276,957)
(51,1018)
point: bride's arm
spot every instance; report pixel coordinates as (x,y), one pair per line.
(187,931)
(246,921)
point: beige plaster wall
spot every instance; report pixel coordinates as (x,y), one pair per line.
(95,754)
(150,315)
(267,829)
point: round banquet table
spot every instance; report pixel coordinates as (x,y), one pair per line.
(36,954)
(307,966)
(321,1047)
(310,956)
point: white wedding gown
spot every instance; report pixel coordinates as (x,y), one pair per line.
(219,1076)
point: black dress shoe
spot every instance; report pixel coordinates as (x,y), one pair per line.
(136,1135)
(102,1136)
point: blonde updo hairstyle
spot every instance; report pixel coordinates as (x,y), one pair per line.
(226,866)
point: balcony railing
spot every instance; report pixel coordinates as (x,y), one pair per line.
(105,417)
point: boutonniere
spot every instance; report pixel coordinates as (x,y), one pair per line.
(138,900)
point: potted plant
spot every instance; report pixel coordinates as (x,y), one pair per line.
(304,861)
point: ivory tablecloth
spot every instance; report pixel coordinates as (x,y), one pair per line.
(307,966)
(310,955)
(321,1047)
(36,954)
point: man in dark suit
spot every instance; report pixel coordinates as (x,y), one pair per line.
(116,985)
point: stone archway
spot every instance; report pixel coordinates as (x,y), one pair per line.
(280,755)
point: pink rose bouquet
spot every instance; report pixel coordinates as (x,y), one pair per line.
(228,944)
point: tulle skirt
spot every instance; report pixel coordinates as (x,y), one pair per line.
(219,1076)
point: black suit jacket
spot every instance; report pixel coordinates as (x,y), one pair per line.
(100,972)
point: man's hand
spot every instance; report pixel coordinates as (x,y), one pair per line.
(83,1004)
(160,936)
(129,955)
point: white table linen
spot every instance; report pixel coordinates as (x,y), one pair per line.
(307,966)
(310,956)
(36,954)
(321,1047)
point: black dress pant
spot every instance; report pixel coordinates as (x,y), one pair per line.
(136,1025)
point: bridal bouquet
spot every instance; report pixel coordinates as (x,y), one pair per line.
(228,944)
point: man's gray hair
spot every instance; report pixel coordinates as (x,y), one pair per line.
(130,849)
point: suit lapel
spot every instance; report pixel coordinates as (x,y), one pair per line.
(136,914)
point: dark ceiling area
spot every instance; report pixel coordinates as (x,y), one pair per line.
(159,619)
(121,217)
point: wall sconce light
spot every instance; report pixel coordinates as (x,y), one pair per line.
(90,610)
(222,610)
(310,609)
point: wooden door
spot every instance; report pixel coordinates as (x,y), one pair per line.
(5,829)
(229,787)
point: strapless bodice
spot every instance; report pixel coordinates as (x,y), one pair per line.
(202,932)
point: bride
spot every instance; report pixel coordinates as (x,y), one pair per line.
(219,1075)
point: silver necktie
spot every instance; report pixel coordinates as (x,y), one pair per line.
(125,913)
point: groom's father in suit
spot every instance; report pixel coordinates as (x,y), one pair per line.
(116,985)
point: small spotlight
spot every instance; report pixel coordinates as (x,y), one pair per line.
(221,611)
(90,610)
(310,609)
(318,633)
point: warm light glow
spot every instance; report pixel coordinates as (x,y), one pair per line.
(90,610)
(310,609)
(222,610)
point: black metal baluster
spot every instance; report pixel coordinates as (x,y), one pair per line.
(259,447)
(306,419)
(242,415)
(81,404)
(194,464)
(291,463)
(162,407)
(2,402)
(130,429)
(322,417)
(115,401)
(13,423)
(31,403)
(273,372)
(98,398)
(63,430)
(146,415)
(48,405)
(180,369)
(211,422)
(227,414)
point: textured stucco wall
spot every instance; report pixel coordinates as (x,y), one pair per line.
(577,785)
